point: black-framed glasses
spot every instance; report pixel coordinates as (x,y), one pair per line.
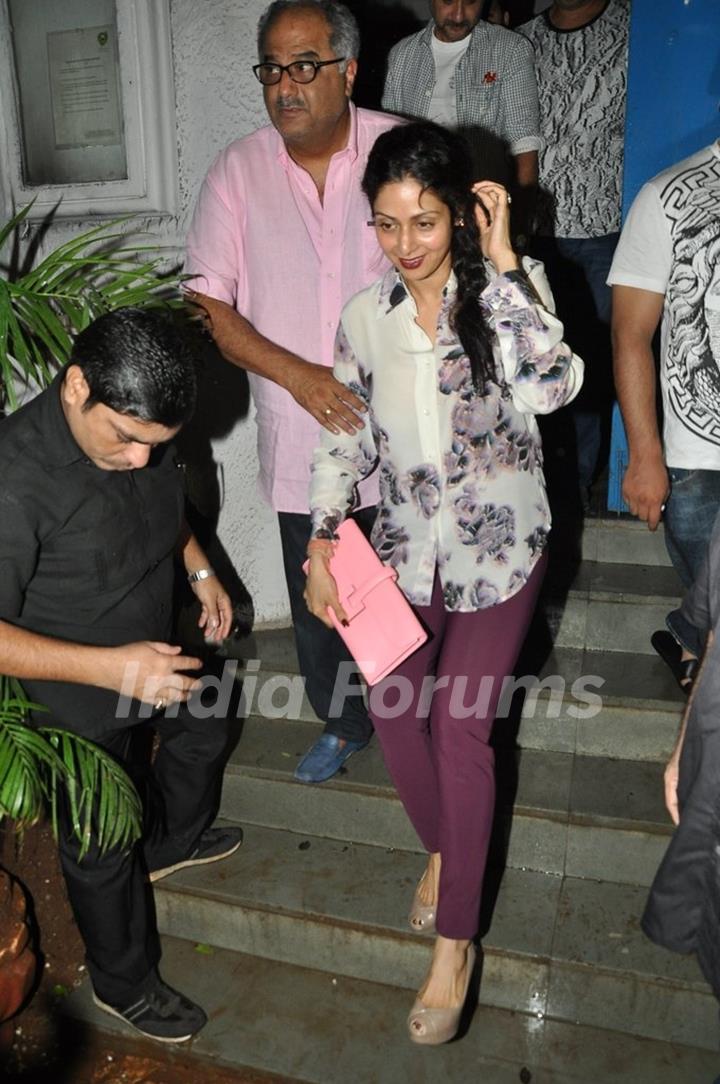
(300,71)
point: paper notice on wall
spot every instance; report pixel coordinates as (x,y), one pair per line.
(84,87)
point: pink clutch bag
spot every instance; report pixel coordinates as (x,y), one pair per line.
(382,629)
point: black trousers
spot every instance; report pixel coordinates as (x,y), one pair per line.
(110,894)
(320,650)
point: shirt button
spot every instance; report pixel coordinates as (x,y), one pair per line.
(426,411)
(428,93)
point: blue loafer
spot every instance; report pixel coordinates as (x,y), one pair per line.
(325,758)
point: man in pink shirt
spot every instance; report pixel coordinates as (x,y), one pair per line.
(278,243)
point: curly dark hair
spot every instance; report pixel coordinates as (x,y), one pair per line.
(440,162)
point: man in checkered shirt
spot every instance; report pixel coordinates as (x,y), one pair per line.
(465,73)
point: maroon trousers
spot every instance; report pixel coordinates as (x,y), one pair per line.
(436,740)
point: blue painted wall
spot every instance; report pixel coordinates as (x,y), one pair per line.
(673,110)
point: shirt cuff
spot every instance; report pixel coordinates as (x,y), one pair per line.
(210,286)
(527,143)
(325,522)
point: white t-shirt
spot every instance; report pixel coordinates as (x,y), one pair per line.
(670,245)
(443,104)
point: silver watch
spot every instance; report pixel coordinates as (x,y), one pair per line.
(201,574)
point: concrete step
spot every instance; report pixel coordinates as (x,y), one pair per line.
(558,813)
(326,1028)
(597,606)
(608,607)
(636,715)
(556,946)
(614,541)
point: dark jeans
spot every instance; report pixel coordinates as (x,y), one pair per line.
(110,894)
(689,517)
(577,268)
(320,650)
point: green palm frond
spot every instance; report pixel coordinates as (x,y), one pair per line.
(40,767)
(27,765)
(42,309)
(103,802)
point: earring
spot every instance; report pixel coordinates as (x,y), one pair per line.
(460,222)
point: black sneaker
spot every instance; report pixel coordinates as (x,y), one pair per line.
(160,1013)
(214,844)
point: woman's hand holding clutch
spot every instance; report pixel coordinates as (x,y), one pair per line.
(321,591)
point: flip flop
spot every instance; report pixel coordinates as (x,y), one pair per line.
(670,652)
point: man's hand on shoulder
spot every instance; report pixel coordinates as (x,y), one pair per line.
(312,386)
(329,401)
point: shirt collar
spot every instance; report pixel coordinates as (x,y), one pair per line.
(60,447)
(393,292)
(350,148)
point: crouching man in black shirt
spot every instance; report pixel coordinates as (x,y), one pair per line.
(91,517)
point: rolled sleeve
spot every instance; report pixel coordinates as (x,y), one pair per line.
(521,110)
(214,252)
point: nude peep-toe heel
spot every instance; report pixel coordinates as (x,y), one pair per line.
(434,1026)
(422,915)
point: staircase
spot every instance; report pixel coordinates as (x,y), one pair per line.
(298,945)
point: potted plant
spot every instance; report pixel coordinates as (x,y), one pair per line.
(43,305)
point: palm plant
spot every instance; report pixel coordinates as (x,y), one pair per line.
(35,762)
(42,306)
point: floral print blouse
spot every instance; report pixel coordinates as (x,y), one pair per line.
(461,481)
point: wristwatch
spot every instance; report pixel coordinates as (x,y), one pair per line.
(200,574)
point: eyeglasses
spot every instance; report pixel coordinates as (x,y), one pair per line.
(300,71)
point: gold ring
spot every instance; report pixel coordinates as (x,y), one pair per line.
(328,410)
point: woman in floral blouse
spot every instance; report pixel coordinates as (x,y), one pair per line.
(454,351)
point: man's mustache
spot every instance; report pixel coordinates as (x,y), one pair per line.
(289,103)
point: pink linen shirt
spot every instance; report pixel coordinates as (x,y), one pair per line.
(262,241)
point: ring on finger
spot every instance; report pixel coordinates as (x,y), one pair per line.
(328,410)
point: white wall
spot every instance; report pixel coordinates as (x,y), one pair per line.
(218,99)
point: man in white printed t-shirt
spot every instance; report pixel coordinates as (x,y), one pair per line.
(465,73)
(667,264)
